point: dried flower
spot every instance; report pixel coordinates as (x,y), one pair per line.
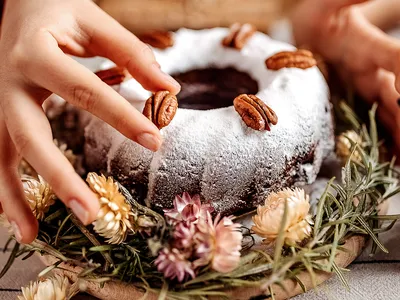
(269,216)
(344,146)
(145,224)
(184,235)
(52,288)
(174,265)
(114,219)
(39,195)
(218,243)
(188,208)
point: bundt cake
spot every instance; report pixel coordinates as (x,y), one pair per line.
(209,147)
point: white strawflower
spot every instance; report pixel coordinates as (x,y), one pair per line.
(114,219)
(267,221)
(39,195)
(52,288)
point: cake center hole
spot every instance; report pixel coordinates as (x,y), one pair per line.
(213,88)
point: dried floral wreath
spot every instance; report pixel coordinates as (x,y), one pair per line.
(175,254)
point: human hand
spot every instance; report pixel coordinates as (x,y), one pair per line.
(348,36)
(35,38)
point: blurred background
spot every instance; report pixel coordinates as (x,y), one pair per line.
(139,15)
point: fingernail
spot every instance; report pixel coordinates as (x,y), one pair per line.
(173,81)
(17,232)
(149,141)
(168,77)
(79,211)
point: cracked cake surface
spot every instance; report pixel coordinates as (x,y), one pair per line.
(212,152)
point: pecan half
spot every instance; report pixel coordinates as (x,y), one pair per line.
(114,75)
(161,108)
(158,39)
(302,59)
(254,112)
(239,35)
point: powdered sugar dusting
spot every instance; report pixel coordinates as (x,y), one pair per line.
(213,152)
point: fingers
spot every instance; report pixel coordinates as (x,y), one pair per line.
(31,135)
(16,208)
(12,198)
(379,86)
(108,38)
(385,50)
(84,89)
(384,14)
(335,5)
(367,47)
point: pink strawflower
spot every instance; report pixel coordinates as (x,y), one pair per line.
(218,243)
(184,234)
(174,265)
(188,208)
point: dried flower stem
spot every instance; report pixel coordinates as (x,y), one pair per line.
(93,240)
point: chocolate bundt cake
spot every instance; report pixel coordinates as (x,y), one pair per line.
(208,149)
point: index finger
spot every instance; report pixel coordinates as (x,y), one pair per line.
(110,39)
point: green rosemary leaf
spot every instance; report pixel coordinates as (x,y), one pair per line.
(334,246)
(373,131)
(310,270)
(86,272)
(350,115)
(71,237)
(49,269)
(28,255)
(391,193)
(271,292)
(300,283)
(203,278)
(10,260)
(387,228)
(101,248)
(365,225)
(240,282)
(385,217)
(61,228)
(320,208)
(248,258)
(54,215)
(251,270)
(9,240)
(341,192)
(346,173)
(339,273)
